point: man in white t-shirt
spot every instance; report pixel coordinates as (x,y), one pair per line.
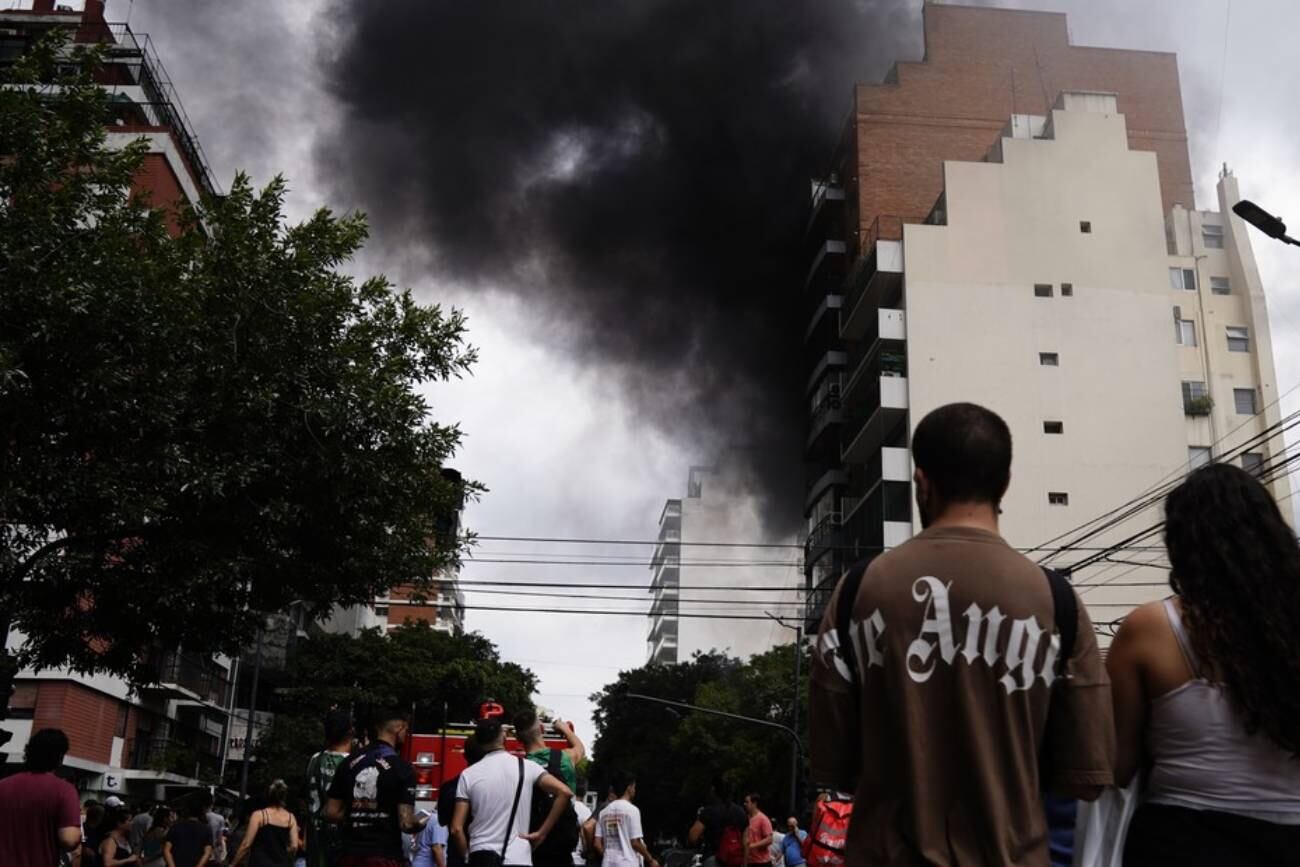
(618,830)
(488,791)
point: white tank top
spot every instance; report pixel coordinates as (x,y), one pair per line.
(1204,759)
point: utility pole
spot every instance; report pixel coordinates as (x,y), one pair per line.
(252,712)
(794,706)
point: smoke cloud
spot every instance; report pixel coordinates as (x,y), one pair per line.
(639,169)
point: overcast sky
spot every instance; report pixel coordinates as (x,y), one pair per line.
(552,437)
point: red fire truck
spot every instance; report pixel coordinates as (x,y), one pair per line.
(440,756)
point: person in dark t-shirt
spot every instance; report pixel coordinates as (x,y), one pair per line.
(720,813)
(191,838)
(372,795)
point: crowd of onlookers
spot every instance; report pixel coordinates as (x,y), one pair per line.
(961,713)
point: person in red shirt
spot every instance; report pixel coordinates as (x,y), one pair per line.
(758,839)
(40,816)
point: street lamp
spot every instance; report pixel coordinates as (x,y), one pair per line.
(794,736)
(794,720)
(1264,221)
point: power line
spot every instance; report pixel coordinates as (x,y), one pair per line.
(644,564)
(604,598)
(612,613)
(799,588)
(562,540)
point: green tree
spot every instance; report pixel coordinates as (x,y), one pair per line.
(200,426)
(677,754)
(414,667)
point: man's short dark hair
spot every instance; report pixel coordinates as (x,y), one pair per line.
(381,718)
(620,780)
(199,804)
(474,750)
(337,725)
(965,452)
(525,721)
(753,796)
(45,751)
(487,732)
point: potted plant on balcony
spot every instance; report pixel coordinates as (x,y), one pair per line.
(1198,405)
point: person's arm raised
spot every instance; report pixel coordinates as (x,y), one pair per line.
(577,751)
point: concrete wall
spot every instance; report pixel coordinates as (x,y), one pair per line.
(976,327)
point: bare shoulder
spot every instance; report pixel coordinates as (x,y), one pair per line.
(1146,620)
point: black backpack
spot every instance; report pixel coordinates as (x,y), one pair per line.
(557,849)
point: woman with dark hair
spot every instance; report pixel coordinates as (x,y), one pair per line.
(115,848)
(1207,684)
(271,838)
(151,847)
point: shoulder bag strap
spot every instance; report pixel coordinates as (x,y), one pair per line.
(555,764)
(1065,610)
(514,810)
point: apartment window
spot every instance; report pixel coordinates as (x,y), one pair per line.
(1252,462)
(381,610)
(1042,290)
(1212,236)
(1067,290)
(1244,400)
(1238,338)
(1198,456)
(1085,226)
(1220,286)
(1196,398)
(1049,359)
(1185,332)
(1058,498)
(120,730)
(22,704)
(1182,278)
(1053,427)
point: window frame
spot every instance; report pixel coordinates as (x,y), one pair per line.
(1238,338)
(1238,393)
(1053,427)
(1199,456)
(1225,289)
(1043,290)
(1049,359)
(1215,231)
(1085,227)
(1067,290)
(1058,498)
(1182,274)
(1182,329)
(1256,465)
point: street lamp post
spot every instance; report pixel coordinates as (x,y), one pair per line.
(794,710)
(1264,221)
(794,736)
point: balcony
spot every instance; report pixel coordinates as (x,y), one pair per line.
(826,309)
(172,756)
(191,676)
(877,280)
(829,479)
(823,537)
(672,512)
(827,216)
(881,348)
(826,416)
(828,262)
(883,405)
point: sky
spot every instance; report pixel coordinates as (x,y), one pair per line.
(562,446)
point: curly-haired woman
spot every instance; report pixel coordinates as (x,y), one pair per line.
(1207,684)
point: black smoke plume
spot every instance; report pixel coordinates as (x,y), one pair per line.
(638,169)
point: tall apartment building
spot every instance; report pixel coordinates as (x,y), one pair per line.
(716,509)
(976,241)
(150,742)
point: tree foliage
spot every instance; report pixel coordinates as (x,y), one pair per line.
(438,676)
(676,754)
(197,425)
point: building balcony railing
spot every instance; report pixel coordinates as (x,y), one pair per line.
(172,756)
(880,352)
(875,280)
(825,416)
(823,536)
(882,404)
(189,675)
(672,513)
(828,252)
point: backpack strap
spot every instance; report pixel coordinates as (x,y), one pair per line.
(555,764)
(849,586)
(1065,611)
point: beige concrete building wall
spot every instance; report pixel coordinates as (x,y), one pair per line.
(1078,211)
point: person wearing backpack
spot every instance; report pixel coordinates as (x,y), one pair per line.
(720,828)
(954,680)
(619,838)
(558,847)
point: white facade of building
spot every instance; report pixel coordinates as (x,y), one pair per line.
(1053,292)
(694,578)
